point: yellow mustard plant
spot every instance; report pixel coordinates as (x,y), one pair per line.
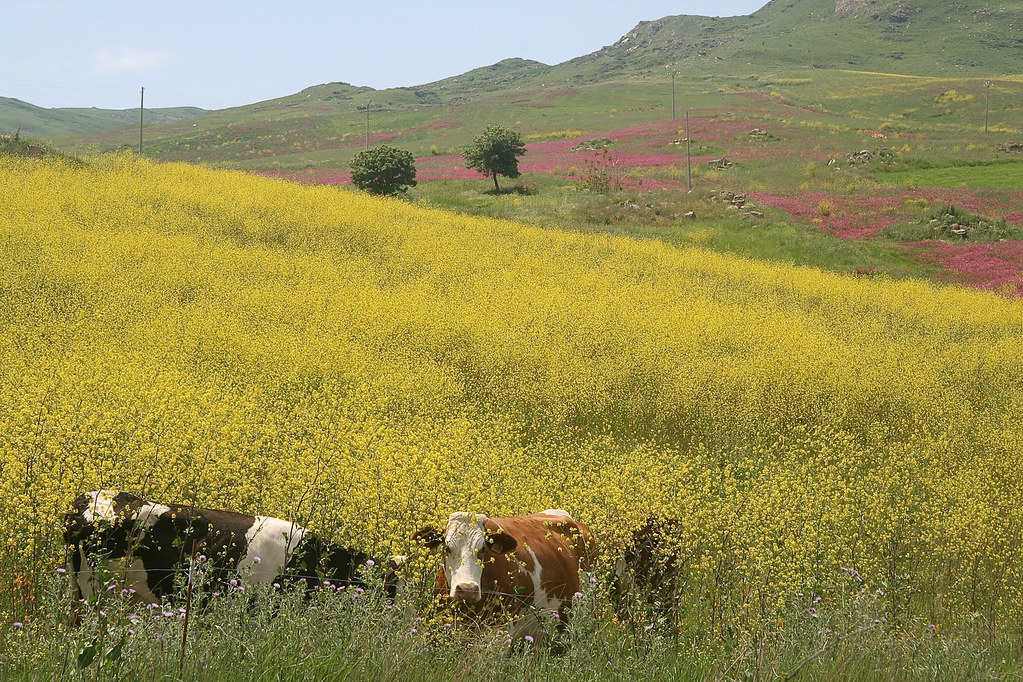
(367,366)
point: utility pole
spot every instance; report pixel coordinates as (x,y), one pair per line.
(987,103)
(673,74)
(367,123)
(672,95)
(142,100)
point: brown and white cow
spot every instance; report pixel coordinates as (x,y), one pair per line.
(513,561)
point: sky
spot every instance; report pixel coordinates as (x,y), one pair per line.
(216,54)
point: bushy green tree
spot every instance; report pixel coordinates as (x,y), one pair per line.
(494,152)
(384,170)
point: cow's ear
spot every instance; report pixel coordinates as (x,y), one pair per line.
(429,537)
(501,542)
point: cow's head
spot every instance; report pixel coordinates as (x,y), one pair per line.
(466,541)
(110,520)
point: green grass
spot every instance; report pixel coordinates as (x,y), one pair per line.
(998,174)
(332,636)
(954,224)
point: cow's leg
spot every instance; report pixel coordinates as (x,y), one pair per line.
(526,625)
(74,566)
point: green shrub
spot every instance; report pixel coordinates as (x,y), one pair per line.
(384,170)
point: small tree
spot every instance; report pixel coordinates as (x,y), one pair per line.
(384,170)
(494,152)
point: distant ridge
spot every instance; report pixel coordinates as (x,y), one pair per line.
(36,121)
(919,37)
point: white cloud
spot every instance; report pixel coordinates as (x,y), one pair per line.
(128,58)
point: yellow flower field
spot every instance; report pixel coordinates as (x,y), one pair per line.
(367,366)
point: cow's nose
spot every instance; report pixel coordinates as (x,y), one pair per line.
(467,592)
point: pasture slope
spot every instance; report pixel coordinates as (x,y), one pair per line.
(842,454)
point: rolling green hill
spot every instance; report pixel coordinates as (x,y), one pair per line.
(964,38)
(959,38)
(16,115)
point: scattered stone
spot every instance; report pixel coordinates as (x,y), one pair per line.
(900,16)
(761,135)
(594,145)
(862,156)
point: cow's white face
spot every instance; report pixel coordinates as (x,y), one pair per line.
(466,542)
(101,508)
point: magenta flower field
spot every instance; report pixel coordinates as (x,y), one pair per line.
(995,266)
(861,216)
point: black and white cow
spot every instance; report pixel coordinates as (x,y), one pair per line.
(144,545)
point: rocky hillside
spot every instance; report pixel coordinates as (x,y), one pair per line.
(961,37)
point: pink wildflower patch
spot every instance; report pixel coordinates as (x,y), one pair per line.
(444,167)
(994,266)
(845,216)
(861,216)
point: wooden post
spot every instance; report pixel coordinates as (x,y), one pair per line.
(142,100)
(188,606)
(987,103)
